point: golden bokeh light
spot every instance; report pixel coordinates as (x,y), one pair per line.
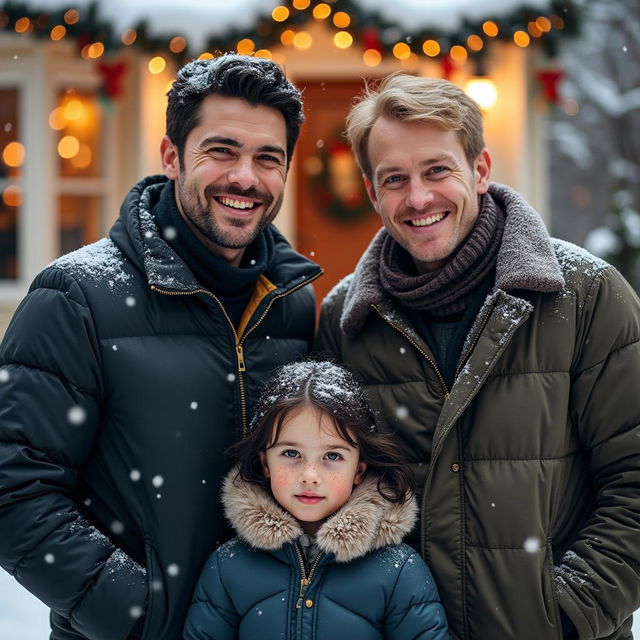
(74,109)
(71,16)
(280,13)
(129,37)
(521,38)
(246,46)
(483,91)
(544,24)
(302,40)
(534,29)
(343,39)
(58,32)
(287,36)
(83,158)
(301,5)
(321,11)
(205,55)
(177,44)
(458,53)
(95,50)
(431,48)
(341,20)
(23,25)
(264,53)
(475,42)
(401,50)
(68,147)
(58,119)
(13,154)
(157,65)
(490,28)
(12,196)
(372,57)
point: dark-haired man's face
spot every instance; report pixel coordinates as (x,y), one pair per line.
(230,184)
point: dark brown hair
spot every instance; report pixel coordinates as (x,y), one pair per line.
(333,390)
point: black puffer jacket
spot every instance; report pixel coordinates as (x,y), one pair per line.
(122,384)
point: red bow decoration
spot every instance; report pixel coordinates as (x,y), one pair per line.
(549,80)
(111,74)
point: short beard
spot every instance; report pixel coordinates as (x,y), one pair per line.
(201,218)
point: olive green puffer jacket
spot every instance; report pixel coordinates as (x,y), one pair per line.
(529,466)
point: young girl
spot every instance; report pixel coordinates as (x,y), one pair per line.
(320,502)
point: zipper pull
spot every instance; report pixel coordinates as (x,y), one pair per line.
(240,355)
(304,583)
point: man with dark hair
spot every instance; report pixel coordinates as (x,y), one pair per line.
(132,364)
(508,363)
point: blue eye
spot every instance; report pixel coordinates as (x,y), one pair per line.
(290,453)
(333,456)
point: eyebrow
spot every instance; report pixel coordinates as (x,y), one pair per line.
(232,142)
(297,445)
(391,169)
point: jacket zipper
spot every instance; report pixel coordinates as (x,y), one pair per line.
(305,580)
(445,390)
(239,341)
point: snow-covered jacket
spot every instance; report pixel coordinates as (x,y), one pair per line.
(528,468)
(363,585)
(123,382)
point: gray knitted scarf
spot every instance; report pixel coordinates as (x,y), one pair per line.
(444,291)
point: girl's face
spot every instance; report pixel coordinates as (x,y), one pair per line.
(311,468)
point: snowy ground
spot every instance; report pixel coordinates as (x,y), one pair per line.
(24,617)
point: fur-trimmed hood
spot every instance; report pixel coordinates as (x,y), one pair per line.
(526,260)
(366,522)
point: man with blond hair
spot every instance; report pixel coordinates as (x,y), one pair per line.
(508,363)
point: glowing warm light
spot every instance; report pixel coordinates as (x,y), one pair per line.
(157,65)
(12,196)
(206,56)
(287,37)
(343,39)
(341,20)
(431,48)
(475,43)
(71,16)
(534,29)
(521,38)
(544,24)
(168,86)
(458,53)
(95,50)
(68,147)
(246,46)
(83,158)
(58,32)
(22,25)
(401,50)
(483,91)
(302,40)
(129,37)
(280,13)
(13,154)
(301,5)
(177,44)
(321,11)
(74,109)
(84,52)
(490,28)
(557,22)
(264,53)
(57,118)
(372,57)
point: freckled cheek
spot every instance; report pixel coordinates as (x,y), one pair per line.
(340,487)
(281,480)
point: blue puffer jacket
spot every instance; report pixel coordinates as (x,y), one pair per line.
(364,584)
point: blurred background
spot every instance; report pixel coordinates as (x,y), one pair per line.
(82,102)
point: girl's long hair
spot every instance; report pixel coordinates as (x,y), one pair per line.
(332,389)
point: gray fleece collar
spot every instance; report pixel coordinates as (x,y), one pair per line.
(526,260)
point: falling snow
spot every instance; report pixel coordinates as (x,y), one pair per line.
(157,481)
(4,375)
(194,405)
(173,570)
(532,544)
(76,415)
(49,558)
(135,475)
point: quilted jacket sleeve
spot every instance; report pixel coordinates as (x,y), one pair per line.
(415,610)
(212,615)
(50,400)
(598,578)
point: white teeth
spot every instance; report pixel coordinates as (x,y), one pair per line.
(236,204)
(425,222)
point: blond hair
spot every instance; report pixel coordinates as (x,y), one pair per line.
(414,99)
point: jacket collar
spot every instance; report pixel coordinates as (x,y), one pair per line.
(367,522)
(136,233)
(526,260)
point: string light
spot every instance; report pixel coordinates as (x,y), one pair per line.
(431,48)
(475,42)
(68,147)
(12,196)
(301,5)
(71,16)
(343,39)
(57,118)
(458,53)
(58,32)
(341,20)
(129,37)
(401,50)
(280,13)
(372,57)
(13,154)
(490,28)
(264,53)
(157,65)
(521,38)
(321,11)
(544,24)
(23,25)
(246,46)
(178,44)
(534,29)
(287,36)
(302,40)
(205,55)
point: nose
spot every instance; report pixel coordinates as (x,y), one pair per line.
(309,474)
(243,173)
(419,195)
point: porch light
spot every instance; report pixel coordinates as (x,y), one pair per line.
(482,90)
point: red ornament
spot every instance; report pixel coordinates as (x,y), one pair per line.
(447,66)
(111,74)
(371,39)
(549,80)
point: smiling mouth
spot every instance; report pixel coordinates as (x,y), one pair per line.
(427,221)
(240,205)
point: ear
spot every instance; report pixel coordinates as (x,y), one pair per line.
(169,158)
(360,471)
(371,192)
(483,171)
(264,465)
